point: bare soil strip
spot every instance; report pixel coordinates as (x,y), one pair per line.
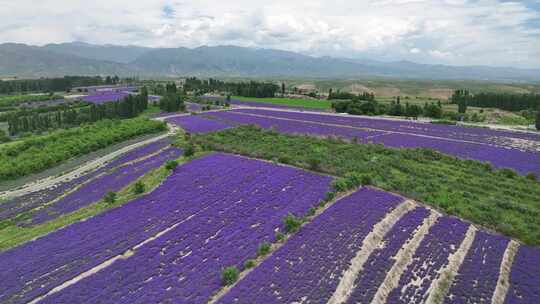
(503,283)
(441,285)
(370,243)
(403,258)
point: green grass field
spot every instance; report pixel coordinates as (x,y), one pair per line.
(306,103)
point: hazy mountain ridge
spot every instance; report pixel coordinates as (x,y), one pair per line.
(84,59)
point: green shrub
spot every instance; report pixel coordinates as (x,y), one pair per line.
(110,197)
(314,164)
(292,223)
(171,164)
(508,173)
(229,275)
(189,150)
(139,187)
(532,176)
(280,236)
(263,249)
(329,196)
(249,264)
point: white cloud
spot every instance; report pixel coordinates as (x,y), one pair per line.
(450,31)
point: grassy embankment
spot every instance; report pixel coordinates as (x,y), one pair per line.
(13,235)
(37,153)
(306,103)
(497,199)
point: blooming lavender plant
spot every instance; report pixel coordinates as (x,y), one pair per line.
(198,124)
(443,239)
(223,207)
(477,277)
(525,277)
(308,267)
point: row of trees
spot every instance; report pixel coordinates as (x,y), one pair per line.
(372,107)
(347,95)
(129,107)
(48,84)
(246,89)
(504,101)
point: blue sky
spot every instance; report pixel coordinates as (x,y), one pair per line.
(456,32)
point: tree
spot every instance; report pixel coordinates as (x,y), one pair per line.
(538,120)
(283,89)
(462,106)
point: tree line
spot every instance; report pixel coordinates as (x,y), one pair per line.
(172,99)
(48,84)
(347,95)
(504,101)
(129,107)
(358,106)
(246,89)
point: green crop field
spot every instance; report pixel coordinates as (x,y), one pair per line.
(306,103)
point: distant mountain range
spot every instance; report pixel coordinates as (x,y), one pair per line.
(79,58)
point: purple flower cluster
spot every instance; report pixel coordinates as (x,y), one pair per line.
(94,190)
(481,135)
(443,239)
(105,97)
(382,259)
(522,162)
(473,143)
(294,127)
(198,124)
(477,277)
(308,268)
(525,277)
(17,205)
(218,209)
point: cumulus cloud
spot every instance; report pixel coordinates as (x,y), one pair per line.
(464,32)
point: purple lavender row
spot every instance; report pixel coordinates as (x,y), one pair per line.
(308,268)
(197,124)
(477,277)
(105,97)
(258,104)
(184,265)
(482,135)
(525,277)
(140,152)
(443,239)
(522,162)
(382,259)
(38,266)
(97,188)
(32,200)
(294,127)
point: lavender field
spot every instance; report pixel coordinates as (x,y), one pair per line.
(198,220)
(89,187)
(503,149)
(198,124)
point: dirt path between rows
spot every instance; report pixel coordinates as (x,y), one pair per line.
(403,258)
(370,243)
